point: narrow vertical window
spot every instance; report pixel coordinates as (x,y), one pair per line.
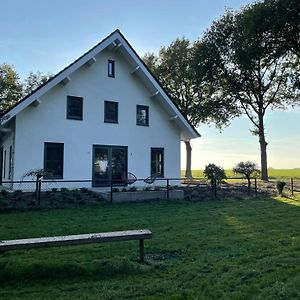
(10,163)
(157,161)
(54,160)
(142,115)
(111,68)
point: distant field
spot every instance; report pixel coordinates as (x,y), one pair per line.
(273,173)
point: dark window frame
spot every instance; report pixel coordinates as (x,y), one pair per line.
(10,163)
(142,107)
(68,113)
(46,161)
(4,165)
(107,119)
(162,150)
(111,71)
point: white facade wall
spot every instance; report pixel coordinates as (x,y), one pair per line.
(47,123)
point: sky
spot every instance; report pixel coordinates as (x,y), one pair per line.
(48,35)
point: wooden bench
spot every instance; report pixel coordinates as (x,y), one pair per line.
(79,239)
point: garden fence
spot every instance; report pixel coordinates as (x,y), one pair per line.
(195,188)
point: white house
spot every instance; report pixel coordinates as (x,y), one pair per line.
(102,116)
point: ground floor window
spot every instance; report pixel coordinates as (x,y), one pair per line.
(109,165)
(157,161)
(54,160)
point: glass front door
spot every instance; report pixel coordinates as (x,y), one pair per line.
(109,164)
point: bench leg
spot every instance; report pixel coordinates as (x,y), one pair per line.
(142,251)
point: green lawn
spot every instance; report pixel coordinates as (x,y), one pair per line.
(273,173)
(225,249)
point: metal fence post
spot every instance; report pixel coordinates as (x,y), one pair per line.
(292,186)
(142,251)
(111,191)
(168,188)
(214,188)
(255,186)
(39,192)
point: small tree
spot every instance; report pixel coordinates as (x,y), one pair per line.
(248,169)
(37,174)
(214,173)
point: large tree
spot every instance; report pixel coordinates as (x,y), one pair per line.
(246,69)
(282,22)
(173,67)
(10,87)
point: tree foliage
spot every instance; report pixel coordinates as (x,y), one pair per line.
(13,90)
(10,87)
(282,24)
(246,69)
(174,68)
(280,186)
(214,172)
(34,80)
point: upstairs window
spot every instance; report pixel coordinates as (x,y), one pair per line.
(74,108)
(110,112)
(111,68)
(142,115)
(54,160)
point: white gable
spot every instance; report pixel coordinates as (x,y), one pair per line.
(116,43)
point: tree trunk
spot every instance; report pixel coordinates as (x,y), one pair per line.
(249,183)
(263,150)
(188,168)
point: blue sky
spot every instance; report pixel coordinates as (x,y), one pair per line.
(48,35)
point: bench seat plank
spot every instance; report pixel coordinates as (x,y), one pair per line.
(75,239)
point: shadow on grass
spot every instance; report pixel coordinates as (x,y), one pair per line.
(17,270)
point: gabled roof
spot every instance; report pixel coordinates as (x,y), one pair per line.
(116,42)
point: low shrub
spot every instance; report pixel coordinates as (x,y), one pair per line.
(100,198)
(280,186)
(84,190)
(4,193)
(133,189)
(214,172)
(18,194)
